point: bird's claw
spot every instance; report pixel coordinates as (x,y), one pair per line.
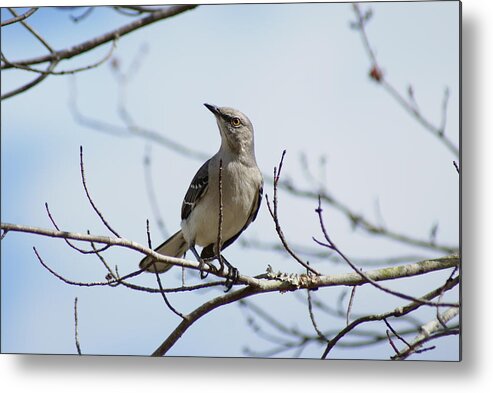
(232,276)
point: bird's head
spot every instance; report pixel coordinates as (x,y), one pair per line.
(236,129)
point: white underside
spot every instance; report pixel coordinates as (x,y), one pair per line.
(239,197)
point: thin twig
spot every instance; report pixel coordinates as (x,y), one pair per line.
(411,107)
(398,312)
(18,18)
(174,310)
(200,312)
(158,279)
(391,342)
(324,255)
(350,305)
(302,338)
(342,314)
(438,314)
(112,278)
(31,84)
(76,323)
(456,167)
(395,333)
(330,244)
(220,219)
(312,317)
(35,34)
(275,218)
(63,72)
(69,243)
(446,95)
(359,221)
(83,15)
(428,335)
(106,224)
(102,39)
(116,280)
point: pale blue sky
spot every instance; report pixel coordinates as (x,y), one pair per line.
(300,73)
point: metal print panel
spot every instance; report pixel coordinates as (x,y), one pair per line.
(309,210)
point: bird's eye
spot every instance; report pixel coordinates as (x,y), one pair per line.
(235,122)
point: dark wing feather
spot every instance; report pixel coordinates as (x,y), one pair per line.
(196,191)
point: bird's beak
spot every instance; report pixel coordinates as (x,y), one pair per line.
(214,109)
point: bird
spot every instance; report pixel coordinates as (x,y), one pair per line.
(241,196)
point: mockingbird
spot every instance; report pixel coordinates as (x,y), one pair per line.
(241,183)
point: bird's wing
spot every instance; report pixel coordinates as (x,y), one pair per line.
(196,191)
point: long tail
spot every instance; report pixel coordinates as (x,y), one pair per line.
(175,246)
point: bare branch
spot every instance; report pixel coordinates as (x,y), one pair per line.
(83,47)
(82,251)
(76,324)
(174,310)
(360,221)
(330,244)
(350,305)
(395,334)
(275,217)
(200,312)
(158,279)
(273,284)
(415,346)
(219,242)
(427,333)
(456,167)
(64,72)
(411,107)
(83,15)
(312,317)
(19,18)
(323,254)
(31,84)
(391,342)
(264,286)
(35,34)
(398,312)
(300,339)
(106,224)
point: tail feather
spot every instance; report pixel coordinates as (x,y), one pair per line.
(175,246)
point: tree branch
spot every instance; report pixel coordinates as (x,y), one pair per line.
(377,75)
(95,42)
(331,245)
(427,331)
(18,18)
(31,84)
(275,218)
(274,282)
(398,312)
(76,328)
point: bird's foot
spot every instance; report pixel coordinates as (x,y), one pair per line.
(202,263)
(232,275)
